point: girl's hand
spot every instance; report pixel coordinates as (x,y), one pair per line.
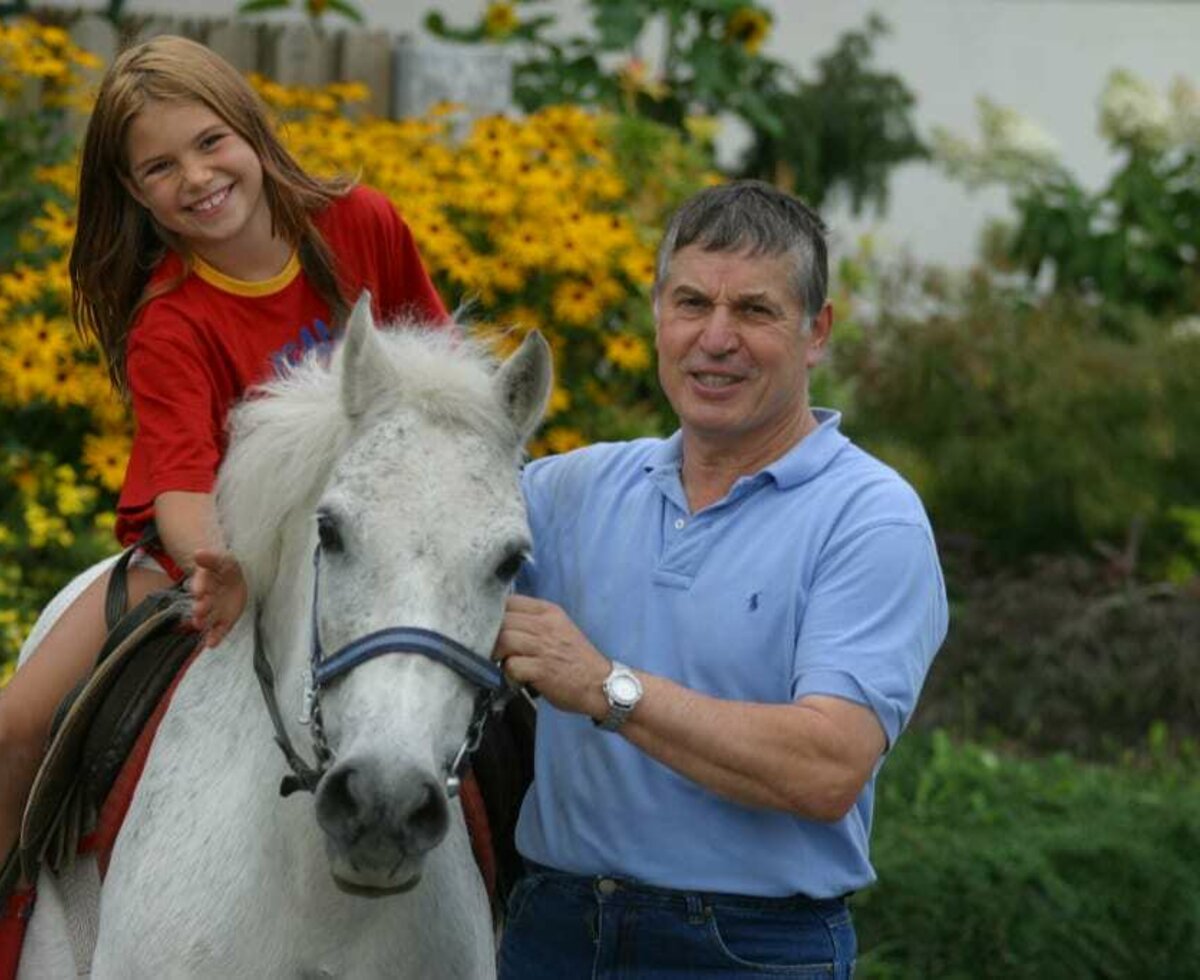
(219,590)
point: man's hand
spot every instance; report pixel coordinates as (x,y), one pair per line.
(219,591)
(538,645)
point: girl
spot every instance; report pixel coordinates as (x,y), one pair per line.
(204,259)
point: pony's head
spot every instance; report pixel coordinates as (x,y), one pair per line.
(394,471)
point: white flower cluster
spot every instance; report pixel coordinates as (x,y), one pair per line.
(1012,149)
(1133,114)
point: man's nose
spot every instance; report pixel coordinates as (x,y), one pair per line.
(719,336)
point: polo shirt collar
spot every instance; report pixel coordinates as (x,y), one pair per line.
(798,465)
(812,453)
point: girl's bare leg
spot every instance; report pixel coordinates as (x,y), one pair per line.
(28,701)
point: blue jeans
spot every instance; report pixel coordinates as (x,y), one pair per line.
(569,927)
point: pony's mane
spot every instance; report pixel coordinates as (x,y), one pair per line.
(285,437)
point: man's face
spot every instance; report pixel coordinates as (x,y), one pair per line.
(733,352)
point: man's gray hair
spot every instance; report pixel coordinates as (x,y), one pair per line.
(754,217)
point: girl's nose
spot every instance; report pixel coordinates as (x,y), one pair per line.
(196,173)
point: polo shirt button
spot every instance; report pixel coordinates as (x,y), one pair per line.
(606,886)
(680,523)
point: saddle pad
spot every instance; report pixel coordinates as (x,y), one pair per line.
(84,755)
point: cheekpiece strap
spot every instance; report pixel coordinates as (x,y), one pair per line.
(303,775)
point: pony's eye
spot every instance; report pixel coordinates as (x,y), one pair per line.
(329,533)
(507,570)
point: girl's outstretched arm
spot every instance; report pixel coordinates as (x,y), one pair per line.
(187,524)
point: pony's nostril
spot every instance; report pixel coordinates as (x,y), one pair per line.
(428,819)
(341,807)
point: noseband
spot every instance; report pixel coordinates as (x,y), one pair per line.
(322,671)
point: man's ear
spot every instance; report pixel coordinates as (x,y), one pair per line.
(818,333)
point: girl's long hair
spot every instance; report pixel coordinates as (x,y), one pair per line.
(117,244)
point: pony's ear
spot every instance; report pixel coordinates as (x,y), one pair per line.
(362,377)
(523,383)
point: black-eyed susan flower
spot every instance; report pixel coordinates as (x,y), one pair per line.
(500,20)
(749,27)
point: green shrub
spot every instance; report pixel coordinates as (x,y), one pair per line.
(997,867)
(1026,425)
(1066,655)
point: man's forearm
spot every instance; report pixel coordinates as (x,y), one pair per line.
(811,758)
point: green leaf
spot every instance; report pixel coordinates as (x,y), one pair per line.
(347,10)
(618,24)
(257,6)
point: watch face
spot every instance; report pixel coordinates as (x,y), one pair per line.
(624,689)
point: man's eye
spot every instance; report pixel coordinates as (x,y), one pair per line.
(756,311)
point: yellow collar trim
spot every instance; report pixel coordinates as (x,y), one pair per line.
(242,287)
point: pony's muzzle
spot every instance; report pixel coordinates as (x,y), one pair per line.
(378,818)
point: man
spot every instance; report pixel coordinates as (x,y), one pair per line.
(728,629)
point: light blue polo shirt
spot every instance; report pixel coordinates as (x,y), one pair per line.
(817,575)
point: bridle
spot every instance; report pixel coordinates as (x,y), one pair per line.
(493,694)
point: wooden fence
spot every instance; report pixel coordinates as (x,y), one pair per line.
(405,75)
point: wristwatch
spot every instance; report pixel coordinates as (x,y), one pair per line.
(623,691)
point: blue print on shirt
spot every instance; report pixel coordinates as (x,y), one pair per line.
(315,337)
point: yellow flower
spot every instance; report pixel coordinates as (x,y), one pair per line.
(634,77)
(45,528)
(748,27)
(576,302)
(638,267)
(105,457)
(72,499)
(627,352)
(560,401)
(703,129)
(526,245)
(22,284)
(562,439)
(500,19)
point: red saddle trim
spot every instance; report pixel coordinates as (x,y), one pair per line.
(13,923)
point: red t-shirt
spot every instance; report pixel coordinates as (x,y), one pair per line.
(195,350)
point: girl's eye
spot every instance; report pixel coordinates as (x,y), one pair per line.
(154,169)
(210,141)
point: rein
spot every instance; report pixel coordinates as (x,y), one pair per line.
(322,670)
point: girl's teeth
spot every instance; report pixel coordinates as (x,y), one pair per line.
(211,202)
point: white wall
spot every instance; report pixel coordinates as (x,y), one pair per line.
(1046,58)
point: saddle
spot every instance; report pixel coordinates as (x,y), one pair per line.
(98,723)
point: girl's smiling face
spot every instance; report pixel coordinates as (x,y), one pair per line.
(199,179)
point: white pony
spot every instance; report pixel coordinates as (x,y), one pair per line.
(396,466)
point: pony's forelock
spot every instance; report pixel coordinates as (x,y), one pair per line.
(286,435)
